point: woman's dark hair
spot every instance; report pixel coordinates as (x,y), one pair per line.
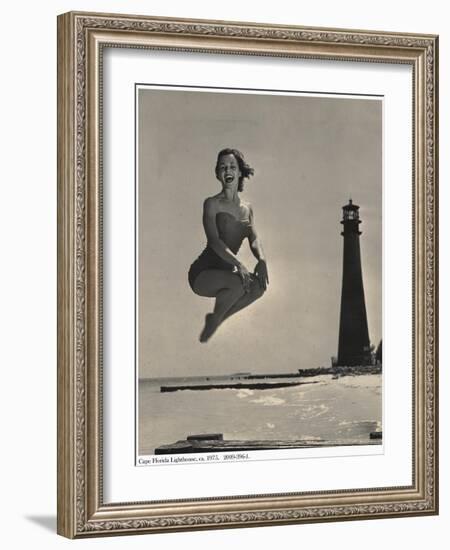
(246,170)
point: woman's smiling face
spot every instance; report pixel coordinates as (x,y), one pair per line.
(228,171)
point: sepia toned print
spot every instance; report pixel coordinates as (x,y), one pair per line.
(96,432)
(245,347)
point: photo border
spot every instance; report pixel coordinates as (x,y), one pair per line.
(194,88)
(81,38)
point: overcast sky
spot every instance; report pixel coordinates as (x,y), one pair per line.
(310,155)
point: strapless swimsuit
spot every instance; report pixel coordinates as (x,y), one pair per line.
(231,236)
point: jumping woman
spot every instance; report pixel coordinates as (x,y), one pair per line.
(228,220)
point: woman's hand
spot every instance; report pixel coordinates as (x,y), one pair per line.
(245,277)
(262,274)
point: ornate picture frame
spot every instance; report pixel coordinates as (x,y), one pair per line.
(82,41)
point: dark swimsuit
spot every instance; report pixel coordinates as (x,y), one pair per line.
(232,232)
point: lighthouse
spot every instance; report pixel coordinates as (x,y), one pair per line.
(354,343)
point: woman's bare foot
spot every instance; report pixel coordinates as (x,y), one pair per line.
(211,324)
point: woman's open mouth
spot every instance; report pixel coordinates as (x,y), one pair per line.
(229,179)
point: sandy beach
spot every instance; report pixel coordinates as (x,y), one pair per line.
(344,410)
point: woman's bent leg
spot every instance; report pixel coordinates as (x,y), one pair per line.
(223,285)
(255,292)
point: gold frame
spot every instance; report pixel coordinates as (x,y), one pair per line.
(81,37)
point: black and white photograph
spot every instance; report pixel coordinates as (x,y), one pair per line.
(258,270)
(247,282)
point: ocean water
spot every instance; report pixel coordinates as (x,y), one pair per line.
(343,410)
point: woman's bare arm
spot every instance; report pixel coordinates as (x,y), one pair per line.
(254,240)
(258,252)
